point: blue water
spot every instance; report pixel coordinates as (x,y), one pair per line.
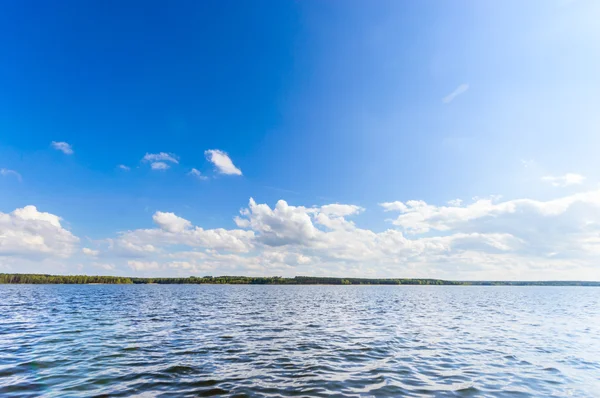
(201,340)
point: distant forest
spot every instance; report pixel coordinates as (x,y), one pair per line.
(274,280)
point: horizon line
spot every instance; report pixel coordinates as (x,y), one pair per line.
(336,278)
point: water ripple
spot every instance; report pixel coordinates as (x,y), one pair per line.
(344,341)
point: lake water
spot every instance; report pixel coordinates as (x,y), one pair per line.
(201,340)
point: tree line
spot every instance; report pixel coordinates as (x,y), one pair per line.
(272,280)
(61,279)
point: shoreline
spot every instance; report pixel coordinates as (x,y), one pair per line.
(38,279)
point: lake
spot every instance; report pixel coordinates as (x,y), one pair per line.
(202,340)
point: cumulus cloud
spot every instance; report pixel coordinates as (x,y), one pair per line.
(279,226)
(455,202)
(564,180)
(458,91)
(485,239)
(124,168)
(104,266)
(63,147)
(222,162)
(126,248)
(489,238)
(170,222)
(324,238)
(159,166)
(176,231)
(563,229)
(90,252)
(419,217)
(30,233)
(143,265)
(340,210)
(302,259)
(391,206)
(7,172)
(196,173)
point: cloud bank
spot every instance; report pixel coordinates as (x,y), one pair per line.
(520,239)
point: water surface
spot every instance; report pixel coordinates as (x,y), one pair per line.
(201,340)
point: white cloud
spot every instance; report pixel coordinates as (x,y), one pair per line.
(126,248)
(339,210)
(419,217)
(170,222)
(301,259)
(7,172)
(528,163)
(159,166)
(176,231)
(196,173)
(561,229)
(159,161)
(90,252)
(326,241)
(104,266)
(458,91)
(63,147)
(564,180)
(125,168)
(219,239)
(455,202)
(514,239)
(143,265)
(160,157)
(393,206)
(281,226)
(483,239)
(222,161)
(28,232)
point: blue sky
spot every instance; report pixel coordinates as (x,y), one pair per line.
(316,103)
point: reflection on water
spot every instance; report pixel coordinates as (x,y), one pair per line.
(200,340)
